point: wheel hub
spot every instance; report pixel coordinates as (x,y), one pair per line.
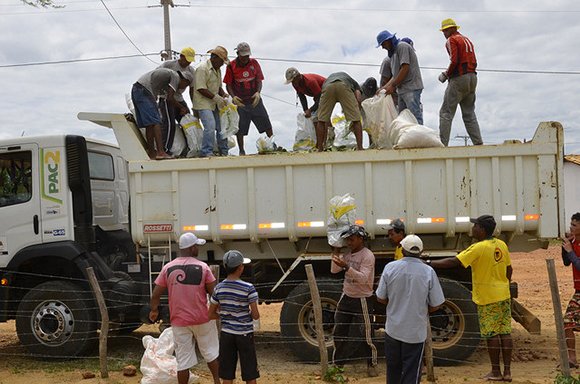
(52,323)
(447,325)
(308,323)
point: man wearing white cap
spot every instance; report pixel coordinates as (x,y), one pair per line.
(188,281)
(411,290)
(244,82)
(170,112)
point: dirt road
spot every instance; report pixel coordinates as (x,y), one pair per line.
(535,357)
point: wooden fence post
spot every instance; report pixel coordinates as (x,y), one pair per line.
(104,321)
(215,270)
(317,307)
(557,304)
(429,354)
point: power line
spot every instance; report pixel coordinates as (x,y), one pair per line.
(76,60)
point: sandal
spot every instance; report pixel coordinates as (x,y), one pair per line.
(507,378)
(490,377)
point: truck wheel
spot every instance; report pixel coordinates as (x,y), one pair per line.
(56,320)
(455,326)
(297,323)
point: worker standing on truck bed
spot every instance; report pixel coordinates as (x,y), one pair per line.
(353,328)
(406,78)
(339,87)
(411,290)
(189,281)
(208,99)
(386,72)
(491,273)
(244,82)
(160,81)
(306,84)
(170,113)
(570,255)
(461,85)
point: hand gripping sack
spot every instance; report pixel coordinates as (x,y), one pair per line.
(305,138)
(342,214)
(193,131)
(378,113)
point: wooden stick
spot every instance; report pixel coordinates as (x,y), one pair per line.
(557,304)
(429,355)
(317,307)
(215,270)
(104,321)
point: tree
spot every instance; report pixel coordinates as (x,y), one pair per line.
(42,3)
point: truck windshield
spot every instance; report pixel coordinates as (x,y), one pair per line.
(15,180)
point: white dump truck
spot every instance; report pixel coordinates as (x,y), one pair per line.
(271,207)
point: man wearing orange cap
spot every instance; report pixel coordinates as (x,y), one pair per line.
(169,112)
(461,85)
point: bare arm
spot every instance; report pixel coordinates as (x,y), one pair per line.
(433,309)
(509,272)
(446,263)
(212,312)
(210,286)
(154,302)
(392,85)
(254,308)
(383,301)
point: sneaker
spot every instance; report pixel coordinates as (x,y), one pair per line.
(372,371)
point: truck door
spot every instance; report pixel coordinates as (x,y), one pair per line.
(20,224)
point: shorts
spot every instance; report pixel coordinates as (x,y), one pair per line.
(232,346)
(572,315)
(334,92)
(495,318)
(257,115)
(185,339)
(146,110)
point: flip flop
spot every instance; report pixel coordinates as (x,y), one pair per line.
(489,377)
(507,378)
(163,157)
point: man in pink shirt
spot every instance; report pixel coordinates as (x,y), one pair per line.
(352,321)
(188,282)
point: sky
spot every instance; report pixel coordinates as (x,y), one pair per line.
(529,70)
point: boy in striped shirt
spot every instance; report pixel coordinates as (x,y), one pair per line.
(235,302)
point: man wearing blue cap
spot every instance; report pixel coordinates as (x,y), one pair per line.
(405,75)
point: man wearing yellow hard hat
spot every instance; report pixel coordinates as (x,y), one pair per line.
(462,82)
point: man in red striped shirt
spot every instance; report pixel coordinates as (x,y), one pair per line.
(461,86)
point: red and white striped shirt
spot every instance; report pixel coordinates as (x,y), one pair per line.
(461,55)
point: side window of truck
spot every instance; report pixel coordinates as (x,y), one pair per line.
(101,166)
(15,178)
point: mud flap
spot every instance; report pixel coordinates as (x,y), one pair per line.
(526,318)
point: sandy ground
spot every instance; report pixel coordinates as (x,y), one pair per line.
(535,356)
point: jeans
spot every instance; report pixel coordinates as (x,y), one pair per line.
(412,100)
(403,361)
(460,90)
(212,131)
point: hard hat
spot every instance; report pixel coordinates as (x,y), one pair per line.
(383,36)
(448,23)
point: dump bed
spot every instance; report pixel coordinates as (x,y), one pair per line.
(286,196)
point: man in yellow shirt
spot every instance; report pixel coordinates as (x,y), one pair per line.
(396,233)
(491,272)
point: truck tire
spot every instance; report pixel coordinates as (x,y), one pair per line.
(455,327)
(297,318)
(57,319)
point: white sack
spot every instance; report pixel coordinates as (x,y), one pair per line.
(342,214)
(407,133)
(379,113)
(344,137)
(305,138)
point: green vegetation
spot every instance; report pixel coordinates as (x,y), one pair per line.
(560,379)
(335,374)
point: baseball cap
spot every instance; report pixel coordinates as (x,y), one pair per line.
(448,23)
(412,244)
(354,230)
(234,259)
(189,54)
(291,73)
(485,221)
(188,239)
(408,41)
(243,49)
(396,224)
(384,35)
(220,52)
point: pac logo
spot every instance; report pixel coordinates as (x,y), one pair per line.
(51,186)
(497,255)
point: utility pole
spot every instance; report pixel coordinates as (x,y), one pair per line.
(167,54)
(464,137)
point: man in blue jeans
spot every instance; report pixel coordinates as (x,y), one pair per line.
(404,74)
(208,99)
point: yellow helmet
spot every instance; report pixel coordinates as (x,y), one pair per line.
(448,23)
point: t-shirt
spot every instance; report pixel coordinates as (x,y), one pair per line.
(411,287)
(575,271)
(461,55)
(185,279)
(174,65)
(345,78)
(385,70)
(234,298)
(398,252)
(359,279)
(489,260)
(405,54)
(311,86)
(244,80)
(206,77)
(157,81)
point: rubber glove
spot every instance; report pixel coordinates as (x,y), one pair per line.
(220,101)
(237,101)
(443,77)
(255,99)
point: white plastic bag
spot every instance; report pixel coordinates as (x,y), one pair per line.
(129,101)
(305,138)
(179,144)
(344,138)
(342,214)
(379,113)
(407,133)
(265,144)
(158,365)
(193,130)
(229,119)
